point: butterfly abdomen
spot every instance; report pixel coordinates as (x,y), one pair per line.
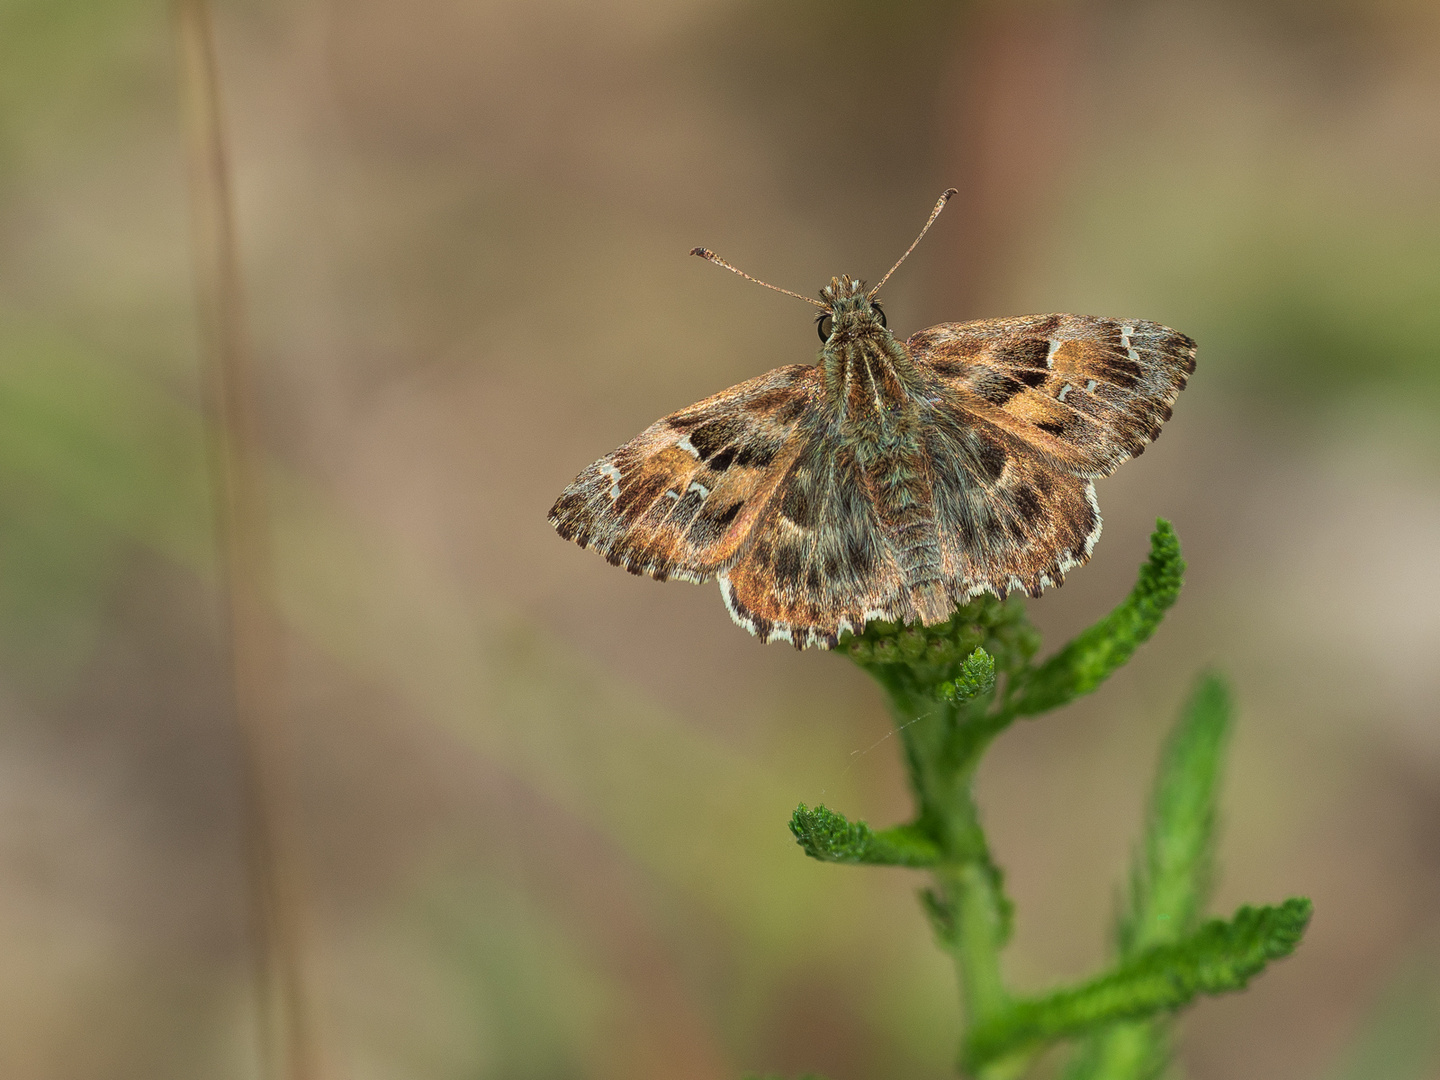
(901,493)
(871,386)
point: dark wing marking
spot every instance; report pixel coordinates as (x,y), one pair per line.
(1007,518)
(817,562)
(680,498)
(1090,393)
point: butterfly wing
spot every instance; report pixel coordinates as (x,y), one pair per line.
(1006,517)
(818,562)
(1022,414)
(682,497)
(1086,392)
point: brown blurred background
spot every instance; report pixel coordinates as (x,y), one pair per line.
(543,802)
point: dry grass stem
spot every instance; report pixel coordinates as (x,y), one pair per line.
(287,1044)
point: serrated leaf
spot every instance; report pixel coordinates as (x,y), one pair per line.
(1220,957)
(831,837)
(1171,877)
(1096,653)
(976,679)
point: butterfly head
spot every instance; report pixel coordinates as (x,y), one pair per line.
(849,312)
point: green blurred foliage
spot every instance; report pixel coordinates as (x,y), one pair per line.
(1400,1039)
(91,456)
(69,69)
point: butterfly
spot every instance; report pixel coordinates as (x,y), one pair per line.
(888,480)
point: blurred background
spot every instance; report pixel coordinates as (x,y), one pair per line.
(543,804)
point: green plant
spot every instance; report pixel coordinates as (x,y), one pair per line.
(952,689)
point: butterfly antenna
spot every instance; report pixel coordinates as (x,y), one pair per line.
(706,253)
(945,198)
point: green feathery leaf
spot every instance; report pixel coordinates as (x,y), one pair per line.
(1170,881)
(976,679)
(830,837)
(1090,659)
(1221,956)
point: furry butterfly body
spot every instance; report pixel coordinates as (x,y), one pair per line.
(889,480)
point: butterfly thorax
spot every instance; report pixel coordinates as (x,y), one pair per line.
(870,379)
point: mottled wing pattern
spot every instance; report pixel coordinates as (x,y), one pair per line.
(818,562)
(1006,517)
(1024,412)
(681,498)
(757,487)
(1089,393)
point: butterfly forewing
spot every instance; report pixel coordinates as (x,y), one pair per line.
(1090,393)
(680,499)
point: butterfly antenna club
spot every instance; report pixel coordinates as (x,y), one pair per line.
(939,205)
(706,253)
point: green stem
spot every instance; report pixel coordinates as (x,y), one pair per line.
(979,935)
(942,743)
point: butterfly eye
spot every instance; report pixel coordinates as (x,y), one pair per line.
(879,313)
(825,325)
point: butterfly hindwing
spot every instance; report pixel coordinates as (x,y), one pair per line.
(680,498)
(1087,392)
(1006,517)
(818,561)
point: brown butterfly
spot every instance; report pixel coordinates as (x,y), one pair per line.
(889,480)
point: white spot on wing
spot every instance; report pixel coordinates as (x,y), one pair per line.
(1094,537)
(1125,332)
(689,447)
(1050,352)
(614,474)
(1063,391)
(1090,387)
(695,485)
